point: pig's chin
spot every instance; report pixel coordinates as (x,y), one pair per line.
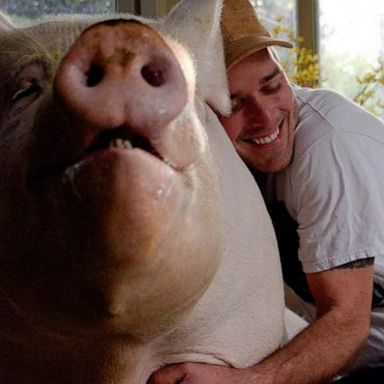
(124,177)
(123,246)
(135,198)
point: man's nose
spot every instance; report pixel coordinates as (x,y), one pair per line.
(260,114)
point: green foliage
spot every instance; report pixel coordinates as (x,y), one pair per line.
(371,93)
(301,65)
(303,68)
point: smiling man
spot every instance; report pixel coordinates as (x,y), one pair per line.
(264,112)
(318,159)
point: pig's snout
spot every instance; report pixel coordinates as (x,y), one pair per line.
(121,73)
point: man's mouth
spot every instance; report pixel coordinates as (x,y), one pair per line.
(266,139)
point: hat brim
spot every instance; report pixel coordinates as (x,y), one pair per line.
(239,49)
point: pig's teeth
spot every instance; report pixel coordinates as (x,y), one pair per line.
(116,143)
(120,143)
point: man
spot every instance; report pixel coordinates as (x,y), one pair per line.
(318,160)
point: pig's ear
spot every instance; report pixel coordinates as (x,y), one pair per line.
(196,24)
(5,22)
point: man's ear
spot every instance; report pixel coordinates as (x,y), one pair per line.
(196,25)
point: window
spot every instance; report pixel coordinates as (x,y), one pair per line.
(351,42)
(270,11)
(274,13)
(38,8)
(348,35)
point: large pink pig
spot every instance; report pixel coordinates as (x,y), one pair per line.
(131,234)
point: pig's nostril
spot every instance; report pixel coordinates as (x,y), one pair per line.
(94,75)
(153,76)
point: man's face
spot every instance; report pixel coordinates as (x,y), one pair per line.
(264,112)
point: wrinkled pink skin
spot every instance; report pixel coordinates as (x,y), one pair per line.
(98,250)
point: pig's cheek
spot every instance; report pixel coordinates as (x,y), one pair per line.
(136,197)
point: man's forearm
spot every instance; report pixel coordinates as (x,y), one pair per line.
(316,355)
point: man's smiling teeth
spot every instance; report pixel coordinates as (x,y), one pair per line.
(267,139)
(120,143)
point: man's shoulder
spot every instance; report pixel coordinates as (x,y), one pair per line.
(313,125)
(334,110)
(327,115)
(318,96)
(324,106)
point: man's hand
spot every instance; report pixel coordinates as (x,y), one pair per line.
(319,352)
(193,373)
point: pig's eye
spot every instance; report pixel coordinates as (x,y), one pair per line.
(27,89)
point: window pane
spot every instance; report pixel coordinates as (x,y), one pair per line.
(37,8)
(351,43)
(279,17)
(270,11)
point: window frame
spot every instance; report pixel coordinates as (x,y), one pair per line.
(131,6)
(307,19)
(307,16)
(148,8)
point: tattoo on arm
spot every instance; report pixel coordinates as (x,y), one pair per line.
(361,263)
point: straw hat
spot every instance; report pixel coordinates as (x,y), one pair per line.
(243,33)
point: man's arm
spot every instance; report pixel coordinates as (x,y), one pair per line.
(343,300)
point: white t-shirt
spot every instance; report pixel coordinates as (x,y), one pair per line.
(334,190)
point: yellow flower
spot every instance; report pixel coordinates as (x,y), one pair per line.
(303,68)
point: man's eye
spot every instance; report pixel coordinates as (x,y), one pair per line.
(271,89)
(27,89)
(236,104)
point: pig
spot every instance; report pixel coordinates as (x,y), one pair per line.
(132,236)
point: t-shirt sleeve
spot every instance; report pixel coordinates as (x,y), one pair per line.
(338,205)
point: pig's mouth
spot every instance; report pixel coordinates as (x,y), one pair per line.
(117,139)
(120,138)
